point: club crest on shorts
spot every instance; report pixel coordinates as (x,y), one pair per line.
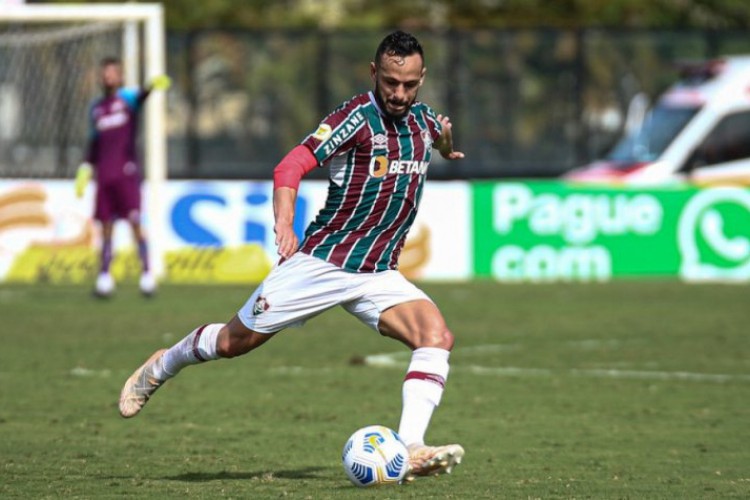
(261,305)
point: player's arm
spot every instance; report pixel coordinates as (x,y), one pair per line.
(286,178)
(159,82)
(85,170)
(444,143)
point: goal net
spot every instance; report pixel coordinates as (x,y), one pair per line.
(49,61)
(47,79)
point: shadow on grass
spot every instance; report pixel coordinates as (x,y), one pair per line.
(200,477)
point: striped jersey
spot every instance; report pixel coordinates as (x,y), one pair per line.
(377,168)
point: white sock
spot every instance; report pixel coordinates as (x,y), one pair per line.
(197,347)
(422,391)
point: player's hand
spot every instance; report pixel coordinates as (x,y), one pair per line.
(445,142)
(286,239)
(83,176)
(161,82)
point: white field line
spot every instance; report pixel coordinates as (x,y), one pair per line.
(401,360)
(79,371)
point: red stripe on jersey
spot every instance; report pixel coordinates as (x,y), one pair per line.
(356,184)
(429,377)
(396,254)
(334,120)
(343,213)
(375,252)
(377,249)
(419,152)
(378,211)
(419,149)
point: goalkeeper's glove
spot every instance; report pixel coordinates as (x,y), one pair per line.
(161,82)
(83,176)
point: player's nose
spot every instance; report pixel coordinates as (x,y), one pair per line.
(399,93)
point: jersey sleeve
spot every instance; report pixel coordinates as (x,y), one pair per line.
(132,96)
(336,134)
(432,123)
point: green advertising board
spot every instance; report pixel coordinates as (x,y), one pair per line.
(554,231)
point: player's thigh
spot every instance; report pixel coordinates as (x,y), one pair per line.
(295,291)
(395,307)
(105,203)
(129,199)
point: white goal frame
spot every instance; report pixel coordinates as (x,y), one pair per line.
(154,50)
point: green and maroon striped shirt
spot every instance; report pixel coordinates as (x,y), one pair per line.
(377,172)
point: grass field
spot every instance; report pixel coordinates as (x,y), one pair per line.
(624,390)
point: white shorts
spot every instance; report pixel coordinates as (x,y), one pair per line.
(305,286)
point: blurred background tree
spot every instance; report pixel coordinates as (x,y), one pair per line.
(712,14)
(536,87)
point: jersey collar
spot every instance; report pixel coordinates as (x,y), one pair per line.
(382,113)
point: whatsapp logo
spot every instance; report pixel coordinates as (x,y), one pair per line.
(714,236)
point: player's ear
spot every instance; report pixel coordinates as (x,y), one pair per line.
(373,71)
(421,77)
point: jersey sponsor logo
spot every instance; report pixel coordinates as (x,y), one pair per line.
(352,123)
(378,166)
(111,121)
(323,132)
(118,105)
(408,167)
(261,305)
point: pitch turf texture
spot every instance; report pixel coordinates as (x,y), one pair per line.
(623,390)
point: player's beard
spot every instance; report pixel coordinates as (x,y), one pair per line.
(406,105)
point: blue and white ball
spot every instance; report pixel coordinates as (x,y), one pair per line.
(375,455)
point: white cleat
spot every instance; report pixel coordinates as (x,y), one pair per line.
(139,388)
(105,285)
(147,284)
(432,460)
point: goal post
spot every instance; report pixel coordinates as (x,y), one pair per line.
(131,19)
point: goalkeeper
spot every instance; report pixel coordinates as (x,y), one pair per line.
(112,160)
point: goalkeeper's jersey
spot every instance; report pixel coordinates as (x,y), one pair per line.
(377,171)
(113,133)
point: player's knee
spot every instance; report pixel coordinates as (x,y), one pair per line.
(440,337)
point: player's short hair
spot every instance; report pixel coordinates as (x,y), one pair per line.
(399,43)
(110,60)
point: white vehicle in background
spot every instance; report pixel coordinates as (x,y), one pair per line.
(698,131)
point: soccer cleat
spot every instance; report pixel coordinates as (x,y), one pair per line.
(105,285)
(432,460)
(139,388)
(147,284)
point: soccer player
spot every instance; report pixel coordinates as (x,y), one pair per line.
(377,147)
(111,158)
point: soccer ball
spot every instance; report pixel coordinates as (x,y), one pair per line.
(375,455)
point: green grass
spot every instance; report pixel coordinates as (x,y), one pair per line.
(624,390)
